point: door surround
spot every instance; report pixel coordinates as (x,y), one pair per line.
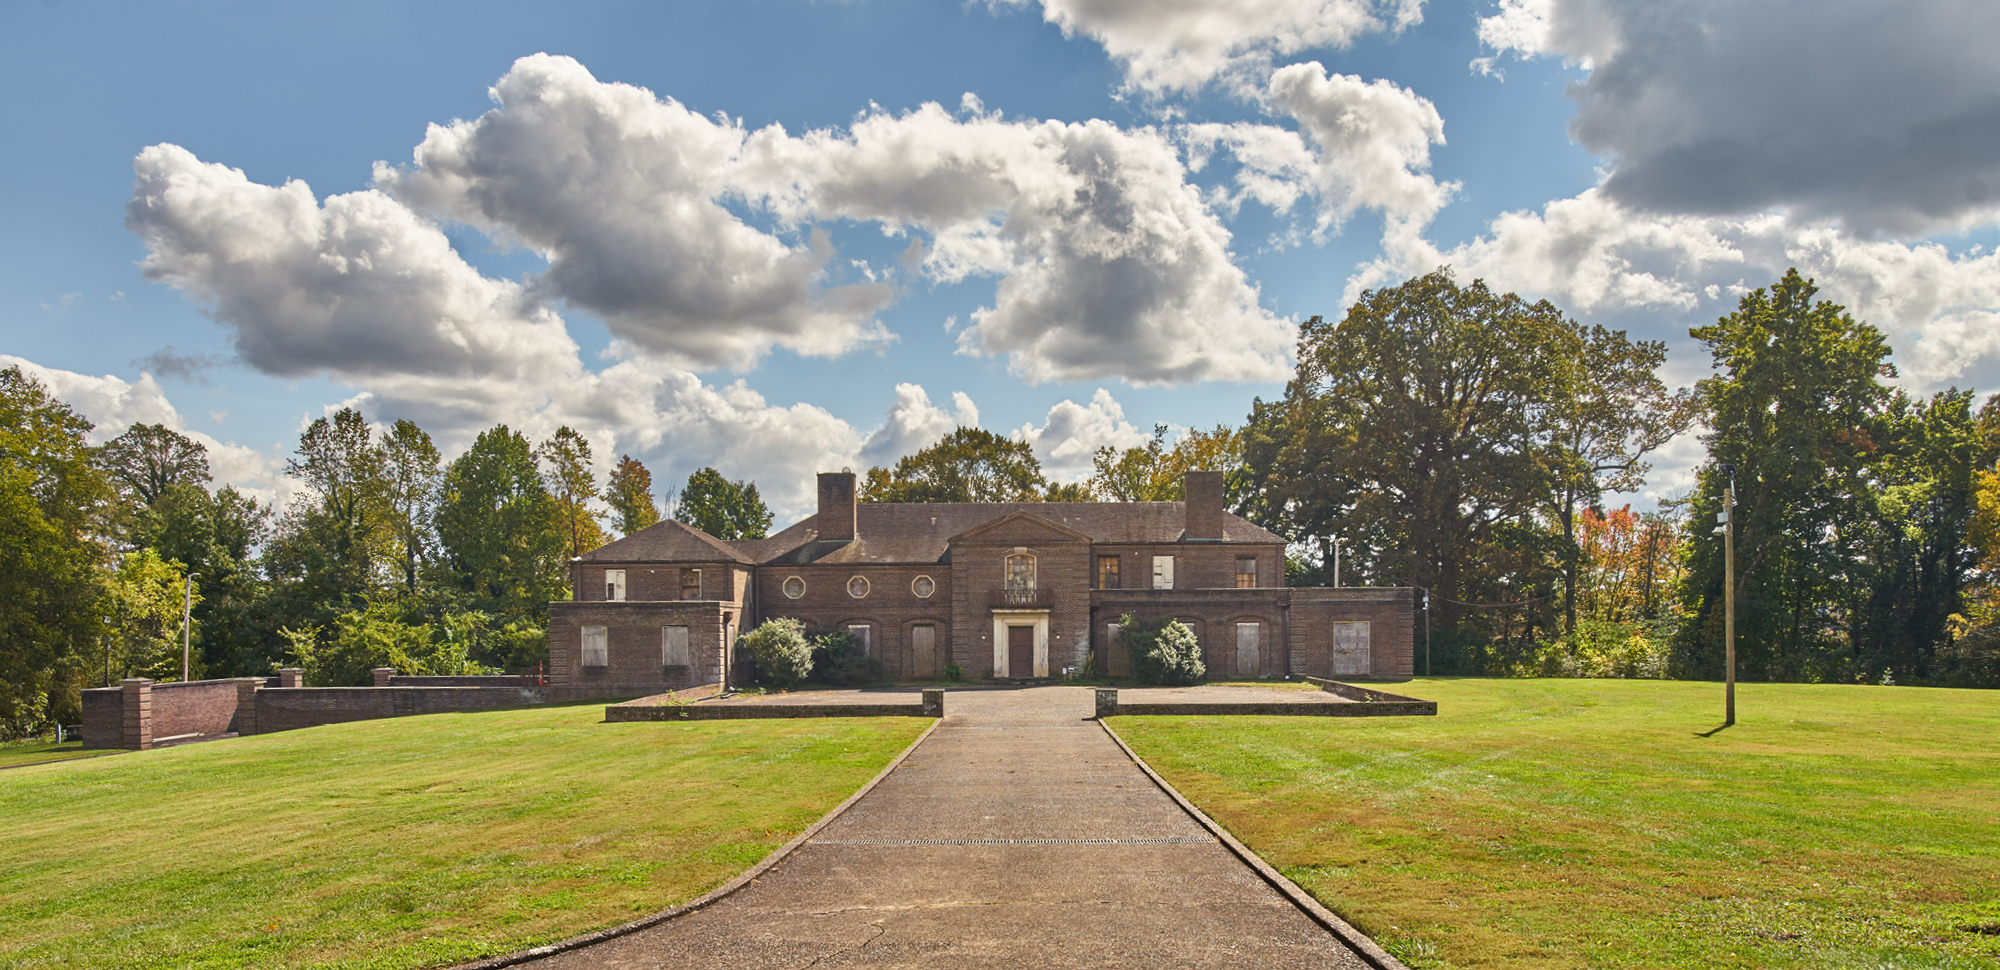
(1002,619)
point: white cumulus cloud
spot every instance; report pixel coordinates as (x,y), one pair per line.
(914,423)
(1181,45)
(1073,432)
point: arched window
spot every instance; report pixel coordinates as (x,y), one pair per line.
(1021,571)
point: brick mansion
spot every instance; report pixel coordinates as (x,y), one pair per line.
(1004,590)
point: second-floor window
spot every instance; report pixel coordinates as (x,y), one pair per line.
(690,584)
(1020,571)
(1163,572)
(614,584)
(1107,572)
(1246,573)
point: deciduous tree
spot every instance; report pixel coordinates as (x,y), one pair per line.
(722,508)
(630,494)
(969,465)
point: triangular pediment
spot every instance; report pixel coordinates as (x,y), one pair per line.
(1020,529)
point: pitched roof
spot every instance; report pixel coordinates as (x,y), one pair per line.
(668,541)
(922,531)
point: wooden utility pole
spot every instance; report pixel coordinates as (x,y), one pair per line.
(1729,596)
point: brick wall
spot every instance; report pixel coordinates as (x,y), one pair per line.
(1388,611)
(1062,568)
(890,607)
(633,648)
(194,708)
(656,582)
(1213,615)
(506,680)
(103,717)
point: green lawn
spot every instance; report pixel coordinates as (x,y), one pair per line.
(407,842)
(33,752)
(1570,823)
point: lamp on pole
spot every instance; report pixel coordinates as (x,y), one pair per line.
(1336,562)
(187,608)
(1728,530)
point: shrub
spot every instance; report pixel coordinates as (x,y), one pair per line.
(952,671)
(780,650)
(840,660)
(1163,651)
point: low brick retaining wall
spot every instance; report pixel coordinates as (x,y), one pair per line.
(673,707)
(140,714)
(1380,704)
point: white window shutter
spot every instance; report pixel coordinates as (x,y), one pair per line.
(1163,572)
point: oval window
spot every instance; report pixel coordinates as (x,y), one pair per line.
(923,586)
(795,587)
(857,587)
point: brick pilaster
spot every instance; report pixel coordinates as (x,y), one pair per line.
(383,675)
(136,732)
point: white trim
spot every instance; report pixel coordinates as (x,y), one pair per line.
(920,594)
(786,587)
(863,580)
(1002,619)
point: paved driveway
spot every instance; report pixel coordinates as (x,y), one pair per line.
(1016,835)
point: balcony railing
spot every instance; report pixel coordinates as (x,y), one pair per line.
(1022,599)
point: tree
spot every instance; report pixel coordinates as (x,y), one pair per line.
(630,493)
(150,458)
(214,537)
(412,474)
(500,531)
(969,465)
(145,605)
(52,498)
(568,478)
(1155,472)
(1608,411)
(1798,407)
(1409,433)
(724,509)
(332,540)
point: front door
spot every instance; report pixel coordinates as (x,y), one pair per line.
(1020,651)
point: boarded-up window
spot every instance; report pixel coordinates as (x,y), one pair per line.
(1107,572)
(923,650)
(1246,572)
(1350,649)
(690,584)
(866,634)
(673,646)
(1249,654)
(614,584)
(595,652)
(1163,572)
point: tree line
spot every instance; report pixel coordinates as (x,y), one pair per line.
(389,556)
(1464,443)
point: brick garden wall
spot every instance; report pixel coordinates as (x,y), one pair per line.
(196,707)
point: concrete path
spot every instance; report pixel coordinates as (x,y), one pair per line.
(1017,835)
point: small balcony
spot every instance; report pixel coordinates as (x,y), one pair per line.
(1022,599)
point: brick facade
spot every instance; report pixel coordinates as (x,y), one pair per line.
(852,565)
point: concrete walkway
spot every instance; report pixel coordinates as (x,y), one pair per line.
(1017,835)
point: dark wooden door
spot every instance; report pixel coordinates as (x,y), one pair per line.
(1020,651)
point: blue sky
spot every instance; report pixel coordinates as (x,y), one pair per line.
(1119,227)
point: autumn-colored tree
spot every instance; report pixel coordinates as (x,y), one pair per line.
(630,495)
(567,476)
(1155,471)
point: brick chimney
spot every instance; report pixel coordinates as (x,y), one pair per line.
(1203,491)
(835,521)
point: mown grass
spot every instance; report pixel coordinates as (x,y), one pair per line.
(1570,823)
(33,752)
(409,842)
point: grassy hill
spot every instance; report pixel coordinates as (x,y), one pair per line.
(1570,823)
(404,843)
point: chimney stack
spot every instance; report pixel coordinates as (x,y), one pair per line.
(1203,491)
(835,521)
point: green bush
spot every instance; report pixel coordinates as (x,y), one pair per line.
(840,660)
(953,672)
(384,634)
(780,650)
(1163,651)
